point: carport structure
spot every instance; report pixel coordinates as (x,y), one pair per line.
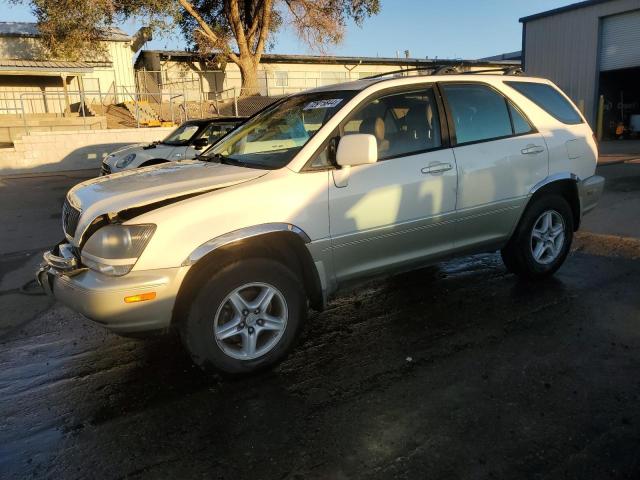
(32,86)
(591,50)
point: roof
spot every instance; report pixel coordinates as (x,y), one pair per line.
(44,66)
(409,79)
(566,8)
(319,59)
(30,29)
(505,56)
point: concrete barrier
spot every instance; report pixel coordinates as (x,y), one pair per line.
(70,150)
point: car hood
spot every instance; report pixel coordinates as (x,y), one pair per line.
(149,185)
(133,148)
(142,150)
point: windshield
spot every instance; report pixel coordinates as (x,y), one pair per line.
(182,134)
(272,138)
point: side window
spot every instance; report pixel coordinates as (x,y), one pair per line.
(403,123)
(214,131)
(549,99)
(520,124)
(479,113)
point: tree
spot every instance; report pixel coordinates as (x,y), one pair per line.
(238,31)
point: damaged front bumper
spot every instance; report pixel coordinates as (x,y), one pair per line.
(101,298)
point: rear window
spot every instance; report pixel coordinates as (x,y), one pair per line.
(549,99)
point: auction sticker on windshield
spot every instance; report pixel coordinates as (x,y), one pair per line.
(328,103)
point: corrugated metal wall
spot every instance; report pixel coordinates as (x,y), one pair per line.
(564,48)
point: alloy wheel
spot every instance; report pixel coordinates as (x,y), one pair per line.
(547,237)
(250,321)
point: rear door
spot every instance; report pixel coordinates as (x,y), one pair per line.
(500,156)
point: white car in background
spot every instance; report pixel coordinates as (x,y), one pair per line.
(184,143)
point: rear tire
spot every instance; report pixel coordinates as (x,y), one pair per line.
(542,240)
(229,329)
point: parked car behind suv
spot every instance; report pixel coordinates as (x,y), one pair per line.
(184,143)
(321,190)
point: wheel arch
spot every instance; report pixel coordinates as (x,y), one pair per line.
(282,242)
(153,161)
(564,184)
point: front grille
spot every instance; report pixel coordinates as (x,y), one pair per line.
(70,217)
(106,169)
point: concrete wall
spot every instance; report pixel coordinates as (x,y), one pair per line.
(564,48)
(13,127)
(70,150)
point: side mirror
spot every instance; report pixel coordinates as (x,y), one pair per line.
(357,149)
(200,143)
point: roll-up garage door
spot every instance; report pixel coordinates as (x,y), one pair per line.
(620,41)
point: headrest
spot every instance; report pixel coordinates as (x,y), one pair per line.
(373,126)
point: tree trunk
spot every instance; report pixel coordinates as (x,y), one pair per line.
(249,72)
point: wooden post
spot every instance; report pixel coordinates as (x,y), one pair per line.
(67,105)
(600,118)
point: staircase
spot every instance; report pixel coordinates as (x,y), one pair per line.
(117,115)
(144,113)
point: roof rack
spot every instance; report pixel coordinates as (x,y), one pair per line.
(431,68)
(505,71)
(448,69)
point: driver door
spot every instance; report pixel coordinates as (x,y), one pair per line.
(394,213)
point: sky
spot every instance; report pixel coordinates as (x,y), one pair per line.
(466,29)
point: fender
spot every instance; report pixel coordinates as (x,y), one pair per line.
(242,234)
(554,178)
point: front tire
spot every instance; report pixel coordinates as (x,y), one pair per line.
(542,240)
(245,318)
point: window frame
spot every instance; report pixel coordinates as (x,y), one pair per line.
(244,120)
(580,121)
(508,101)
(281,78)
(445,141)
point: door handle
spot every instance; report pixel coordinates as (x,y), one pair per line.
(532,150)
(436,168)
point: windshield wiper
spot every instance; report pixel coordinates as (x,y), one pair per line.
(218,158)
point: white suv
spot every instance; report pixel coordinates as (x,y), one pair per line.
(320,190)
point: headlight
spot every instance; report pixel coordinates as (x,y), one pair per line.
(126,160)
(115,249)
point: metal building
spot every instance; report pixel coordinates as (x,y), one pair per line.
(591,50)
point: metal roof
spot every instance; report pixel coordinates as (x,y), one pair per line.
(30,29)
(505,56)
(566,8)
(44,66)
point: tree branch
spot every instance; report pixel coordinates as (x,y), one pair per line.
(255,23)
(264,29)
(238,28)
(206,30)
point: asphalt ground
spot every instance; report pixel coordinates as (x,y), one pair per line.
(459,370)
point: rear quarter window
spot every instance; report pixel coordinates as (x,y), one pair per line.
(549,99)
